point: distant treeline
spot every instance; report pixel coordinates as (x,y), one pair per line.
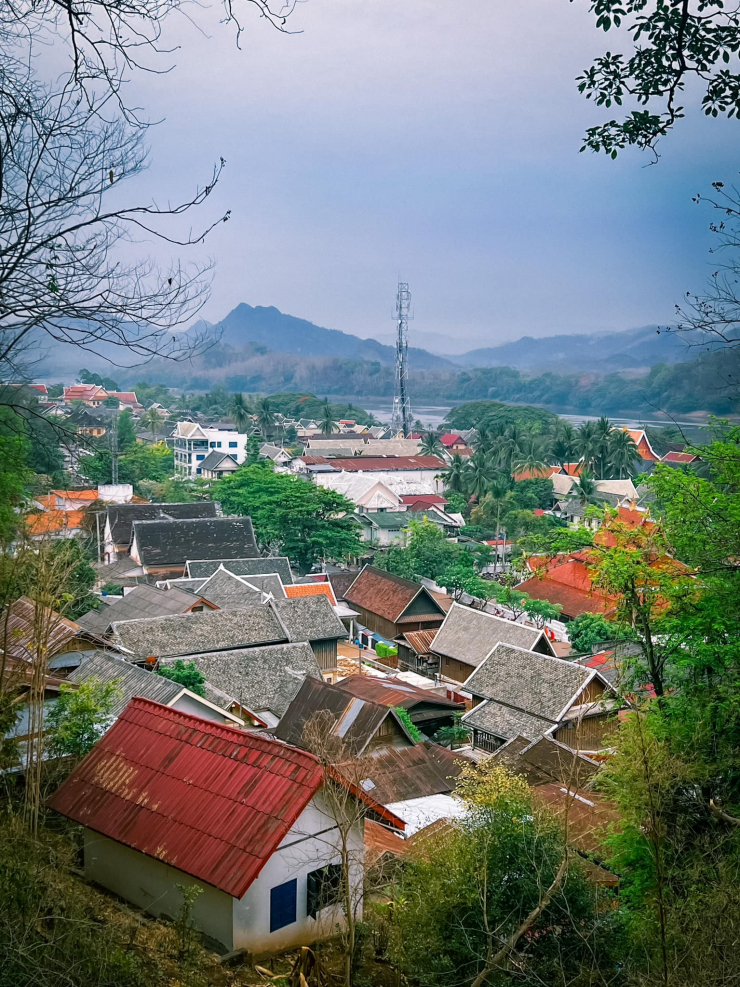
(707,383)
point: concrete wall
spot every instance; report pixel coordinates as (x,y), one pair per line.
(152,885)
(298,855)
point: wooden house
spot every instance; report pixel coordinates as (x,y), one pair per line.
(389,605)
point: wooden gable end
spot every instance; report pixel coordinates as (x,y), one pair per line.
(422,604)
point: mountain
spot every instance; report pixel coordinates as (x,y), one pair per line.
(605,352)
(433,342)
(287,334)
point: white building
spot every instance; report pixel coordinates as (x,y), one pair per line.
(193,443)
(239,815)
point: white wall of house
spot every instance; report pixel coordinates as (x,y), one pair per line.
(190,450)
(237,923)
(399,481)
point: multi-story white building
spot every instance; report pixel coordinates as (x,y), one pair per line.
(193,443)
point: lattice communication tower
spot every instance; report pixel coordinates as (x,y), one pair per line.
(401,418)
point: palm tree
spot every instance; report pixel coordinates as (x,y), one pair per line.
(529,459)
(622,453)
(479,475)
(585,487)
(431,444)
(154,420)
(327,423)
(563,443)
(603,431)
(241,412)
(454,476)
(587,443)
(265,417)
(498,494)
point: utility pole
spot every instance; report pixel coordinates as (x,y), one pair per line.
(401,417)
(113,439)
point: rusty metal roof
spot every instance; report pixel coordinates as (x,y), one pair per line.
(395,692)
(420,641)
(29,632)
(400,773)
(211,801)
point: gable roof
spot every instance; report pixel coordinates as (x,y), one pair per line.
(193,633)
(132,680)
(211,801)
(215,460)
(397,774)
(468,635)
(309,618)
(260,679)
(51,521)
(394,692)
(228,591)
(679,457)
(171,542)
(350,722)
(120,517)
(341,582)
(374,464)
(143,601)
(388,595)
(545,760)
(21,624)
(196,568)
(311,589)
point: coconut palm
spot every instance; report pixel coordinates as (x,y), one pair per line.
(265,417)
(587,443)
(563,443)
(585,487)
(499,493)
(327,423)
(602,430)
(622,453)
(454,476)
(529,459)
(431,444)
(241,412)
(153,419)
(479,475)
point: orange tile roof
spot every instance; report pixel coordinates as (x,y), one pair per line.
(47,501)
(47,522)
(540,474)
(76,494)
(311,589)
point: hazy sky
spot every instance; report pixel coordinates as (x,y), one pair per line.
(437,142)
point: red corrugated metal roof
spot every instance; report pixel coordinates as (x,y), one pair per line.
(392,692)
(211,801)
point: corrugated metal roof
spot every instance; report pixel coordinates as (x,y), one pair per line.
(211,801)
(399,773)
(421,641)
(395,692)
(20,630)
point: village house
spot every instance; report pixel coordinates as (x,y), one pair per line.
(143,601)
(193,442)
(202,568)
(162,546)
(29,628)
(468,636)
(401,474)
(326,714)
(229,591)
(119,520)
(217,465)
(389,605)
(131,681)
(427,709)
(524,693)
(277,455)
(266,857)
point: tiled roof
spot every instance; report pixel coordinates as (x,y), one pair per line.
(344,719)
(208,800)
(50,522)
(385,594)
(215,460)
(468,635)
(544,473)
(131,680)
(260,679)
(171,542)
(311,589)
(76,494)
(242,567)
(120,517)
(450,439)
(19,629)
(309,618)
(341,582)
(536,684)
(679,457)
(143,601)
(395,692)
(573,601)
(228,591)
(194,633)
(430,499)
(504,722)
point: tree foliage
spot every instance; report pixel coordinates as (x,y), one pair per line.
(186,673)
(80,716)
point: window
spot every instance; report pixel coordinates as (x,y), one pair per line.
(323,888)
(232,445)
(198,609)
(200,458)
(213,445)
(282,905)
(218,445)
(199,471)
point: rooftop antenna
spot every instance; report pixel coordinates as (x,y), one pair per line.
(401,416)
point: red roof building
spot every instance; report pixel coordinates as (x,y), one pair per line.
(167,798)
(89,394)
(566,580)
(377,464)
(680,458)
(642,442)
(311,589)
(428,500)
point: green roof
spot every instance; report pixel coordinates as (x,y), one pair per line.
(397,519)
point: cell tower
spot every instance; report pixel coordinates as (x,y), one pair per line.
(401,418)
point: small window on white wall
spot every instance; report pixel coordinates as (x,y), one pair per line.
(323,888)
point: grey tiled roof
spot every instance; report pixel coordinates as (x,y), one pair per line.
(469,635)
(120,517)
(506,723)
(229,591)
(270,582)
(309,618)
(215,460)
(162,543)
(260,678)
(142,601)
(541,685)
(187,634)
(241,567)
(132,680)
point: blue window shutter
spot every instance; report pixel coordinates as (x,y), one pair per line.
(283,905)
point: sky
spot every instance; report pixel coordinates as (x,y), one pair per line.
(433,142)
